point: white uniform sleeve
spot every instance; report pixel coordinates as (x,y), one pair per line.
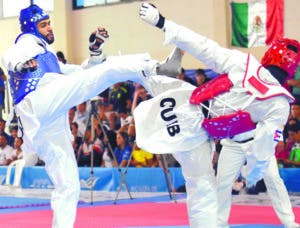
(220,59)
(69,68)
(27,47)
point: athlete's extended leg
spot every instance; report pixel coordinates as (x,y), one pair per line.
(231,160)
(200,185)
(56,151)
(67,91)
(279,195)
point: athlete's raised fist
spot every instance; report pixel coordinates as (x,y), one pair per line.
(97,40)
(150,14)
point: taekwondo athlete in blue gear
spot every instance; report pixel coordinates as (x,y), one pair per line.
(26,80)
(43,96)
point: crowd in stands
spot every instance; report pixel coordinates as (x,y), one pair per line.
(104,130)
(104,133)
(288,150)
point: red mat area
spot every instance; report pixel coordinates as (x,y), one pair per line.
(142,214)
(256,215)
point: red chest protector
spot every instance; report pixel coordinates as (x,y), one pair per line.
(225,126)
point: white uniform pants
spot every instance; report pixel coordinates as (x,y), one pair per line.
(44,122)
(200,186)
(231,160)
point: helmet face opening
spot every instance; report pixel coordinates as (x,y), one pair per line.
(292,48)
(29,18)
(283,53)
(280,74)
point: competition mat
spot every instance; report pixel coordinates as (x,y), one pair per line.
(22,208)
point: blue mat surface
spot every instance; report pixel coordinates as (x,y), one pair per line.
(162,198)
(16,202)
(13,204)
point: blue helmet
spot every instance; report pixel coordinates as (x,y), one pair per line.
(29,17)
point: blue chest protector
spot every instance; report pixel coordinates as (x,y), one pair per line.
(22,84)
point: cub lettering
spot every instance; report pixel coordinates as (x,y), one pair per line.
(168,115)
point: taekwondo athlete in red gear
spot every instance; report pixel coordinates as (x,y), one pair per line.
(234,154)
(42,97)
(251,89)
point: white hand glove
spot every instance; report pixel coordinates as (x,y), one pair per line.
(97,40)
(256,173)
(150,14)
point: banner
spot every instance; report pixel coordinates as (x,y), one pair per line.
(256,22)
(103,179)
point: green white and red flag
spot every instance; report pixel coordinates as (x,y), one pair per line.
(256,22)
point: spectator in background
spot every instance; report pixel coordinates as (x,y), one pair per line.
(2,91)
(123,150)
(294,157)
(294,83)
(81,114)
(6,151)
(119,97)
(140,94)
(131,133)
(284,146)
(77,140)
(89,146)
(141,158)
(18,152)
(200,77)
(81,126)
(282,152)
(9,138)
(104,97)
(31,158)
(182,76)
(295,111)
(125,118)
(14,132)
(108,139)
(61,57)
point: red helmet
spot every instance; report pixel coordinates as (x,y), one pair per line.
(283,53)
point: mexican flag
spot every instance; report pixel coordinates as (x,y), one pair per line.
(256,22)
